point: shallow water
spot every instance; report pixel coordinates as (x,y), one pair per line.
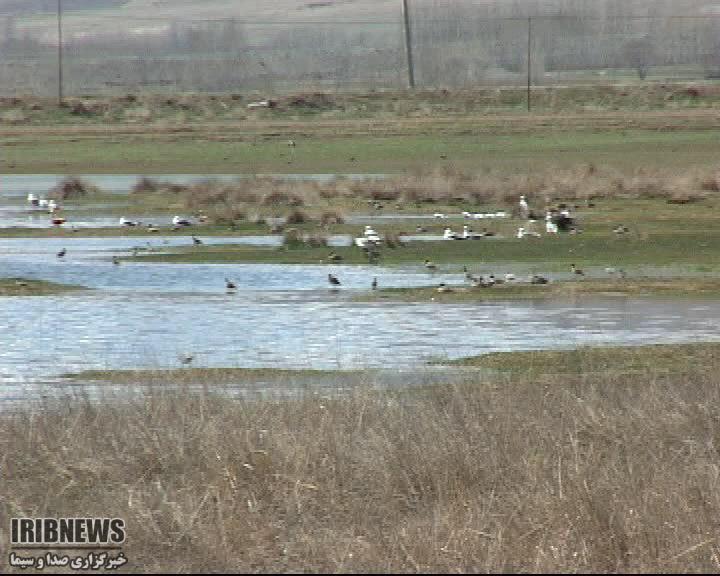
(144,315)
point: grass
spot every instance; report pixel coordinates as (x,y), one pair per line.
(205,375)
(382,152)
(26,287)
(593,470)
(656,359)
(675,287)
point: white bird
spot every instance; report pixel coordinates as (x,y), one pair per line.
(449,234)
(524,208)
(177,221)
(125,222)
(509,277)
(521,232)
(32,199)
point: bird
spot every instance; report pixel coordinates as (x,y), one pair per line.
(524,209)
(186,359)
(62,253)
(576,271)
(421,229)
(291,143)
(444,288)
(509,277)
(230,285)
(334,257)
(374,283)
(430,265)
(115,260)
(537,279)
(333,280)
(196,241)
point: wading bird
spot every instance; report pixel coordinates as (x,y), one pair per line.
(197,241)
(374,284)
(430,266)
(62,253)
(230,285)
(333,280)
(576,271)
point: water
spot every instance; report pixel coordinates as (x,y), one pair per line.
(144,315)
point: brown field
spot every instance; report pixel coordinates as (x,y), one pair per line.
(538,471)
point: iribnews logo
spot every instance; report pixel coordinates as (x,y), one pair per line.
(67,532)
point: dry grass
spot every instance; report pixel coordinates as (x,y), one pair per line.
(426,191)
(584,472)
(72,187)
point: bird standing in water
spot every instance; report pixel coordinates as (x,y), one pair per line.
(333,280)
(230,285)
(62,253)
(374,283)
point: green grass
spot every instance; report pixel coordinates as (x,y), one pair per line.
(206,375)
(674,287)
(657,358)
(371,154)
(26,287)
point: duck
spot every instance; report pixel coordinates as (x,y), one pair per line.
(230,285)
(115,260)
(430,265)
(333,280)
(537,279)
(334,257)
(444,288)
(197,241)
(374,284)
(576,271)
(62,253)
(186,359)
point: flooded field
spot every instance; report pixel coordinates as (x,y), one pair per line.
(147,315)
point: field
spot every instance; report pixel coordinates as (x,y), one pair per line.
(596,459)
(573,462)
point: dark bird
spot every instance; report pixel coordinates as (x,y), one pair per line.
(374,284)
(576,271)
(186,359)
(62,253)
(333,280)
(116,260)
(430,266)
(196,241)
(334,257)
(229,284)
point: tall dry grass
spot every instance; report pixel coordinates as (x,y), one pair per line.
(597,472)
(273,197)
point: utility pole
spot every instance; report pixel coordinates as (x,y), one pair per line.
(529,64)
(408,45)
(60,54)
